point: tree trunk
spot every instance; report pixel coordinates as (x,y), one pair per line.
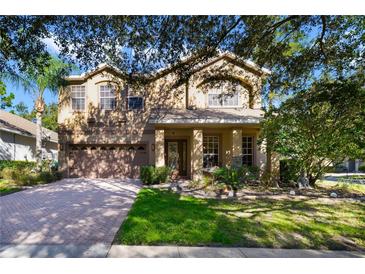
(312,180)
(38,141)
(39,111)
(268,158)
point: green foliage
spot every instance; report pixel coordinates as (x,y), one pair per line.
(289,172)
(22,173)
(6,100)
(50,114)
(46,177)
(321,126)
(155,175)
(16,164)
(22,44)
(235,178)
(8,173)
(362,168)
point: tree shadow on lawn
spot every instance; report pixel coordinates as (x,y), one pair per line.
(161,217)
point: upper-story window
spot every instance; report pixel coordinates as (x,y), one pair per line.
(78,98)
(222,98)
(135,102)
(107,97)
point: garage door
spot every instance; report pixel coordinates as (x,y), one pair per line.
(107,161)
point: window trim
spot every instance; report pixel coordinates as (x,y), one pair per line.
(253,149)
(115,97)
(222,98)
(78,110)
(135,97)
(219,152)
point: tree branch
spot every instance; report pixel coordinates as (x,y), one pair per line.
(271,29)
(321,38)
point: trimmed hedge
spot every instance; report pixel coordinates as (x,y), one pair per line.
(16,164)
(151,175)
(22,172)
(22,177)
(362,168)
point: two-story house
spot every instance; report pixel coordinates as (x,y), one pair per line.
(110,129)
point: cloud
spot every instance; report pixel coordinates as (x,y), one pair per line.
(52,47)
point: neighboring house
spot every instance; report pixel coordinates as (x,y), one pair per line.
(351,165)
(17,139)
(109,129)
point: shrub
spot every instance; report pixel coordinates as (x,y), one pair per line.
(57,175)
(163,174)
(228,176)
(45,177)
(236,178)
(155,175)
(27,179)
(249,173)
(362,168)
(289,172)
(16,164)
(8,173)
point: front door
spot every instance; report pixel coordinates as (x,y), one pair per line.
(176,156)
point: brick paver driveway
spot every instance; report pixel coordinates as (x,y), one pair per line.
(71,211)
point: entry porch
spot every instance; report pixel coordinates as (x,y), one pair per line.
(189,149)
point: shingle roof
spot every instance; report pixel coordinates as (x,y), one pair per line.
(229,55)
(12,122)
(206,116)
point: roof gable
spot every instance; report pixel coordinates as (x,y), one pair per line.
(228,56)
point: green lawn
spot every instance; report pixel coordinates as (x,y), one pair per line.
(351,177)
(160,218)
(345,188)
(6,187)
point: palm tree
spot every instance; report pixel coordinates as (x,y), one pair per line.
(52,78)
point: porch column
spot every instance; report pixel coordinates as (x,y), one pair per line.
(159,147)
(236,147)
(197,154)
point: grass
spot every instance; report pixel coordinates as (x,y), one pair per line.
(160,217)
(7,187)
(356,177)
(344,188)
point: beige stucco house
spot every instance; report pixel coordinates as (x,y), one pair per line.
(109,128)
